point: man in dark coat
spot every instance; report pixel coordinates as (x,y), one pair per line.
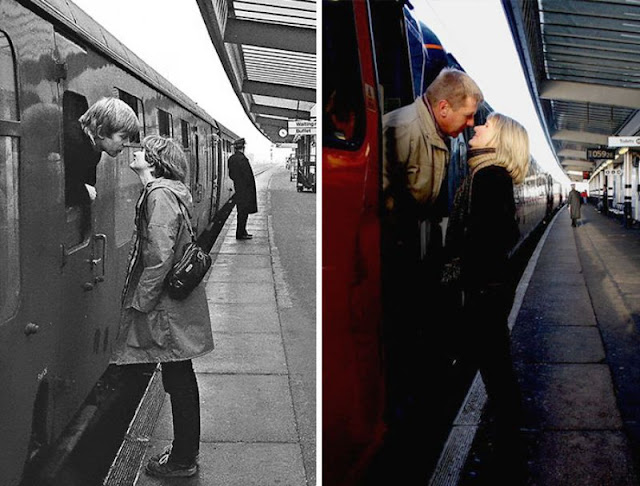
(575,201)
(245,186)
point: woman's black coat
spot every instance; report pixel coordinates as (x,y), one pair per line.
(491,229)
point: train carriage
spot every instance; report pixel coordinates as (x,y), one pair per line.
(63,266)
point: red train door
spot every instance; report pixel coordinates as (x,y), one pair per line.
(353,379)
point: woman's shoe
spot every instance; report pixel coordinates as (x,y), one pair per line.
(161,467)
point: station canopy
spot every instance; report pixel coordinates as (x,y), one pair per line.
(581,59)
(268,50)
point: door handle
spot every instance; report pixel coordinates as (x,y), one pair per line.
(101,241)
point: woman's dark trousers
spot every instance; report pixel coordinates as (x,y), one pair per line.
(180,383)
(486,321)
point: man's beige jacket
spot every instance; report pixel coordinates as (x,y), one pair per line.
(414,156)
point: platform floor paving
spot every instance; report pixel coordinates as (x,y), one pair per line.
(575,343)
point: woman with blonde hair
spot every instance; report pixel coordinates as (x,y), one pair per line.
(482,232)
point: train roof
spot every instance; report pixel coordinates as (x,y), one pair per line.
(80,23)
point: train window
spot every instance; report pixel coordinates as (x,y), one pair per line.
(343,100)
(9,203)
(9,247)
(8,99)
(165,123)
(80,162)
(136,105)
(184,125)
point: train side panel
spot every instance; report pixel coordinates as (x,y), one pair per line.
(31,189)
(353,382)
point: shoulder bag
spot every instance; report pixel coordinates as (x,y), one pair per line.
(188,272)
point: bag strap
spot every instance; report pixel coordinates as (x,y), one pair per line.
(183,208)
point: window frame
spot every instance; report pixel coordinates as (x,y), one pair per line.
(169,117)
(11,130)
(139,111)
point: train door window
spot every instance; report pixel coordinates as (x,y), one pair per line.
(165,123)
(136,105)
(185,128)
(80,162)
(195,170)
(343,100)
(9,204)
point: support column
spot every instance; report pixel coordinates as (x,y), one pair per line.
(605,195)
(628,218)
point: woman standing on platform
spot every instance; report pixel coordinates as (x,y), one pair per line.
(482,231)
(153,327)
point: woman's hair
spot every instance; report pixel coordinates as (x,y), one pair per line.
(165,157)
(454,86)
(109,116)
(511,142)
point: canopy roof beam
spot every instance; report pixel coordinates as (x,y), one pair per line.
(279,91)
(590,93)
(281,112)
(274,122)
(285,37)
(577,163)
(576,154)
(582,137)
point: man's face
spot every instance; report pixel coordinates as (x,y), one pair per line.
(453,122)
(112,145)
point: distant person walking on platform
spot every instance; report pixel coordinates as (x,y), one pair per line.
(154,328)
(575,202)
(245,186)
(482,231)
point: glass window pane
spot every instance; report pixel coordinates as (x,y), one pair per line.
(165,123)
(8,100)
(9,247)
(136,106)
(185,133)
(343,100)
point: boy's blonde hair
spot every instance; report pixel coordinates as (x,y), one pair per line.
(511,142)
(108,116)
(454,86)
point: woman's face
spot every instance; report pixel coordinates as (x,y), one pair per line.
(483,135)
(139,163)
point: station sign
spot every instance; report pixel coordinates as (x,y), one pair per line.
(286,145)
(302,127)
(624,141)
(597,154)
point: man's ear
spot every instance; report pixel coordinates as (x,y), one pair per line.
(99,132)
(443,108)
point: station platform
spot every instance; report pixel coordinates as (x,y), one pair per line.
(250,433)
(575,342)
